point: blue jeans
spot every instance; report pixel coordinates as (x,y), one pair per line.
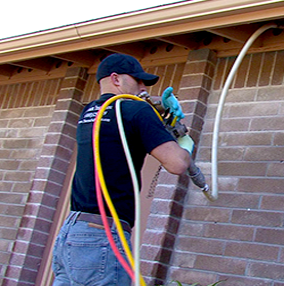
(82,256)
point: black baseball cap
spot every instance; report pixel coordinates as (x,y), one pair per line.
(124,64)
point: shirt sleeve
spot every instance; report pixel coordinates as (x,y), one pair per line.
(150,128)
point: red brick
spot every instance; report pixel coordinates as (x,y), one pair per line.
(192,93)
(259,138)
(170,193)
(192,81)
(71,105)
(235,200)
(195,67)
(263,153)
(254,109)
(28,165)
(277,75)
(155,254)
(36,132)
(5,186)
(14,113)
(220,264)
(20,247)
(9,221)
(265,72)
(169,224)
(240,233)
(252,251)
(168,179)
(254,69)
(266,270)
(8,282)
(167,77)
(42,122)
(15,210)
(207,214)
(69,130)
(154,269)
(242,169)
(38,112)
(24,154)
(29,275)
(229,65)
(166,207)
(10,198)
(271,236)
(159,238)
(259,185)
(66,117)
(17,259)
(266,123)
(76,72)
(13,271)
(8,233)
(188,228)
(50,200)
(261,218)
(67,142)
(241,75)
(63,153)
(219,73)
(184,260)
(45,212)
(271,93)
(9,164)
(200,245)
(15,143)
(73,83)
(272,203)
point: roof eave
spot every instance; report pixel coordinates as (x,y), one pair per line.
(179,17)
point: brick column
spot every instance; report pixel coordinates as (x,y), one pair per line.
(168,203)
(47,185)
(194,90)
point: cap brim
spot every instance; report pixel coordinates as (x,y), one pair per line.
(147,78)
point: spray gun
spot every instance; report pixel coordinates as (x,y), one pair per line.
(170,109)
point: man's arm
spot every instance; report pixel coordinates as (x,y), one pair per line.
(173,158)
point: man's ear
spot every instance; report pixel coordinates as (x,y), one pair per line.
(115,79)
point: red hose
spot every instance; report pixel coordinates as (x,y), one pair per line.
(116,251)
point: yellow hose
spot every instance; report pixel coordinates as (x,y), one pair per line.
(101,177)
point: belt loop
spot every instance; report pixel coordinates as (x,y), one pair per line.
(113,226)
(69,217)
(75,216)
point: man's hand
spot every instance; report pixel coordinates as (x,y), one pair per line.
(171,102)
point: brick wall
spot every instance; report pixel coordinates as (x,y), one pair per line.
(22,132)
(158,249)
(35,226)
(240,236)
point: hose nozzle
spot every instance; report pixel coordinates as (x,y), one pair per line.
(199,180)
(207,193)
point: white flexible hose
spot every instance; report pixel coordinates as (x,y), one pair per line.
(214,170)
(136,192)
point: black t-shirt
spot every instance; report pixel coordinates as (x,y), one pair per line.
(144,132)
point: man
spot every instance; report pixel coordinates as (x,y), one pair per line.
(82,254)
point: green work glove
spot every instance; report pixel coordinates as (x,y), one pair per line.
(171,102)
(186,143)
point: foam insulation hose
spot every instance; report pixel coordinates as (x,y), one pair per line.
(214,158)
(101,185)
